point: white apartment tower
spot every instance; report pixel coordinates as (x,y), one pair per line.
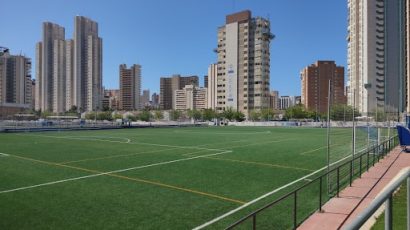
(374,61)
(243,63)
(87,65)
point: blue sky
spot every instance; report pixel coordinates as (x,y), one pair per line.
(177,36)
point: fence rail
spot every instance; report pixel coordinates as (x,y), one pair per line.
(356,166)
(386,196)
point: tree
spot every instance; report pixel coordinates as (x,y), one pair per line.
(104,116)
(174,115)
(296,112)
(45,114)
(343,113)
(73,109)
(194,114)
(158,115)
(208,114)
(255,115)
(145,115)
(267,114)
(228,114)
(239,116)
(131,117)
(117,116)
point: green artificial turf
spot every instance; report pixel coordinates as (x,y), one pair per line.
(174,178)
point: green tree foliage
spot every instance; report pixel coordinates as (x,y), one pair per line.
(343,113)
(174,115)
(104,116)
(117,116)
(208,114)
(255,115)
(158,115)
(131,117)
(267,114)
(45,114)
(298,112)
(194,114)
(239,116)
(145,115)
(228,114)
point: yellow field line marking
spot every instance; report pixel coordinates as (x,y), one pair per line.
(115,156)
(260,163)
(135,179)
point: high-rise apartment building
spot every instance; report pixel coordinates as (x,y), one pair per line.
(315,85)
(288,101)
(212,86)
(274,100)
(69,72)
(169,84)
(375,68)
(15,79)
(155,100)
(243,63)
(145,98)
(190,97)
(49,61)
(130,87)
(87,90)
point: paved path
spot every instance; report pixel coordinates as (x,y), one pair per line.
(352,200)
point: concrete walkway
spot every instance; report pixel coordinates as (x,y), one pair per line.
(352,200)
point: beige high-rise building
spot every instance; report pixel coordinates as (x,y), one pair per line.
(15,79)
(243,63)
(49,58)
(374,55)
(212,86)
(130,87)
(87,65)
(168,85)
(190,97)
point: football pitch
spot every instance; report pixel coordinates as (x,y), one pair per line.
(157,178)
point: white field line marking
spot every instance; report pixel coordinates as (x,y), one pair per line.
(192,153)
(131,143)
(4,155)
(260,143)
(111,172)
(263,196)
(224,133)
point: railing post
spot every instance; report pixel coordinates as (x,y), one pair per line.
(254,222)
(351,173)
(295,211)
(338,186)
(388,215)
(320,194)
(367,159)
(408,203)
(360,169)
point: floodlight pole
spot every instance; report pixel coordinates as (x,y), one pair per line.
(328,138)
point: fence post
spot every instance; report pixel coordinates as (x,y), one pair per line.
(295,211)
(351,173)
(320,194)
(408,202)
(367,159)
(338,181)
(388,216)
(254,222)
(360,169)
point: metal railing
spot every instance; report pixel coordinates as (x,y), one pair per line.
(386,196)
(364,161)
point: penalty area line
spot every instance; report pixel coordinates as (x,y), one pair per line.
(4,155)
(264,196)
